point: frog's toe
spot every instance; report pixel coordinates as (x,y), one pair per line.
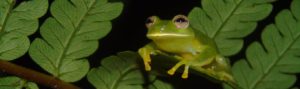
(147,66)
(185,72)
(171,71)
(184,75)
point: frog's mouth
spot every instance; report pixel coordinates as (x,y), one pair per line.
(167,35)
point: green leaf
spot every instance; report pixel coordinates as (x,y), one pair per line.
(71,35)
(272,64)
(16,83)
(228,21)
(158,84)
(117,72)
(18,23)
(31,85)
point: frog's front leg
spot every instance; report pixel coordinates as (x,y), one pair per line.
(145,53)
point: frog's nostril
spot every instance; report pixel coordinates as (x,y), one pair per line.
(162,28)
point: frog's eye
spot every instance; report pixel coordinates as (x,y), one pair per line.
(150,21)
(181,21)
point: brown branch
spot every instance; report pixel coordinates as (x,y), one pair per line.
(34,76)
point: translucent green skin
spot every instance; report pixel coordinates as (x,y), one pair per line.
(189,47)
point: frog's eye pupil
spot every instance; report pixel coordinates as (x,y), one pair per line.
(149,20)
(180,20)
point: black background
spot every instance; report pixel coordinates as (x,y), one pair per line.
(128,33)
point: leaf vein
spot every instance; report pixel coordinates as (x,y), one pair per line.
(226,19)
(47,58)
(73,33)
(7,14)
(126,71)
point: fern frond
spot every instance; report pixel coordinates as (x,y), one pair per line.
(228,21)
(272,64)
(16,83)
(117,72)
(158,84)
(18,23)
(71,35)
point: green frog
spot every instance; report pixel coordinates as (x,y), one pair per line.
(190,47)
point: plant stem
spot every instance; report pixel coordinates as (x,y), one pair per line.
(34,76)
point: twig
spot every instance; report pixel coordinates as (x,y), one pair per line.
(34,76)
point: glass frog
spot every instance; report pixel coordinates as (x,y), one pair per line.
(177,39)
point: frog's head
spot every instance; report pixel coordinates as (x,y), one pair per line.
(178,27)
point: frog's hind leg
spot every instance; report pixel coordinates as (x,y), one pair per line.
(184,60)
(177,65)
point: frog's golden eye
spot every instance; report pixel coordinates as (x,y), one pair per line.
(150,21)
(181,21)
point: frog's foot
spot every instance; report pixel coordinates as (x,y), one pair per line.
(144,52)
(147,66)
(226,77)
(147,62)
(185,71)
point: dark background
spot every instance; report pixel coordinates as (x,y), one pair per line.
(128,33)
